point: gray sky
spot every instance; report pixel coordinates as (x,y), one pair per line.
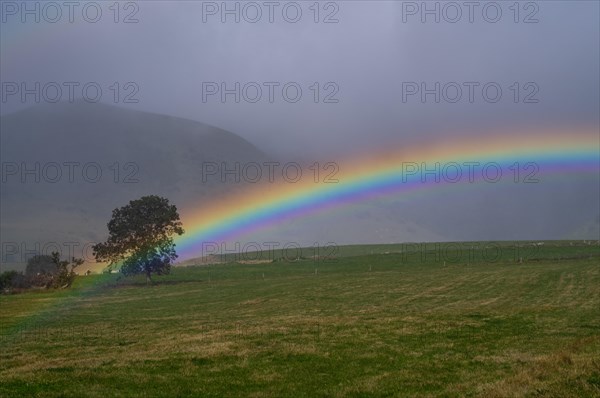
(373,48)
(362,78)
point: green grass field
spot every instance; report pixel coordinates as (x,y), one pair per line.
(380,320)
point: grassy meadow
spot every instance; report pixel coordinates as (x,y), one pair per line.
(508,319)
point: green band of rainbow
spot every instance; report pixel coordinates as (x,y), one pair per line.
(388,174)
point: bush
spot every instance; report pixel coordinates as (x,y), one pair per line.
(41,271)
(6,278)
(66,271)
(11,280)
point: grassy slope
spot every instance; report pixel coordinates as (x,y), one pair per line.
(393,324)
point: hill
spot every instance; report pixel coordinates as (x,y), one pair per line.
(87,159)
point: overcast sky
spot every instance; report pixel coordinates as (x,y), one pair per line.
(176,49)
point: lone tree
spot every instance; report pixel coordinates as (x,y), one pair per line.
(140,237)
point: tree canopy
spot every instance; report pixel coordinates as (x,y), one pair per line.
(41,264)
(141,237)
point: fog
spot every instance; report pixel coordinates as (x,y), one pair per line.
(322,80)
(176,48)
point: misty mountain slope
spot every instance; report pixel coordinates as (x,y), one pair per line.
(166,148)
(137,153)
(140,153)
(167,153)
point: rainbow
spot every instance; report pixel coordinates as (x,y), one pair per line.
(393,173)
(570,152)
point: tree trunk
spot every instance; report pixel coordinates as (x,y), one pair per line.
(148,279)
